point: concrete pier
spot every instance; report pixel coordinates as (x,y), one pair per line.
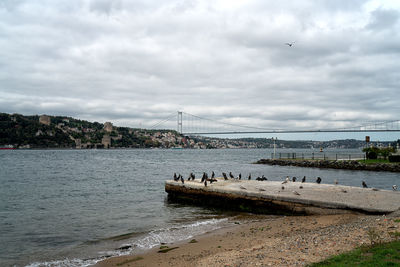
(269,197)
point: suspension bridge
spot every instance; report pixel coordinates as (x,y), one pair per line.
(189,124)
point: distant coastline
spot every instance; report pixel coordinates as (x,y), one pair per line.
(333,164)
(61,132)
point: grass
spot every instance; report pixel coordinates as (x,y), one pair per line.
(384,254)
(374,161)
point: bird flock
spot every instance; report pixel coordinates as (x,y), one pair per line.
(205,179)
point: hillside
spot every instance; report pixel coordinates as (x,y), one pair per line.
(21,131)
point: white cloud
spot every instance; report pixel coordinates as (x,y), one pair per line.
(135,62)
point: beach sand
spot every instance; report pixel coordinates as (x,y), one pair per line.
(270,241)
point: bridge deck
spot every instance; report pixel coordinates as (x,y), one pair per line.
(311,199)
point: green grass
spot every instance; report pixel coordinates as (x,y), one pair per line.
(385,254)
(374,161)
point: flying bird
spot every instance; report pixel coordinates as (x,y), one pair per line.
(289,44)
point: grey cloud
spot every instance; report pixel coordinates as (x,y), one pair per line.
(136,62)
(383,19)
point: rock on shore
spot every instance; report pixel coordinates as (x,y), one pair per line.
(333,164)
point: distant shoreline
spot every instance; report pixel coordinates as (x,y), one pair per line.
(333,164)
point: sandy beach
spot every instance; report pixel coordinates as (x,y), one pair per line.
(270,241)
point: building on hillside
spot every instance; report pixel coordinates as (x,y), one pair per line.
(108,127)
(44,119)
(106,141)
(78,143)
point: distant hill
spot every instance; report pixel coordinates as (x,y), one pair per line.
(21,131)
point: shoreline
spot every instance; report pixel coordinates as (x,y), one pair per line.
(262,240)
(333,164)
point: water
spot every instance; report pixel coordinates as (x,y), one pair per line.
(74,207)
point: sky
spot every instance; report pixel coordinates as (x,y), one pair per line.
(135,63)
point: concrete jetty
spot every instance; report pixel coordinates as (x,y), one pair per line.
(270,197)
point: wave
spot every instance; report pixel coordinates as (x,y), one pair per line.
(143,242)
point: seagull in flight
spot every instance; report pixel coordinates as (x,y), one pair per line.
(290,44)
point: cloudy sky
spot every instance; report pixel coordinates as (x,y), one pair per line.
(136,62)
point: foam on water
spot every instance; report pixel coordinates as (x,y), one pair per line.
(144,242)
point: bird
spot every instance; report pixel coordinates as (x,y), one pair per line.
(319,180)
(231,175)
(204,177)
(294,179)
(286,180)
(213,175)
(213,180)
(263,178)
(249,176)
(224,175)
(193,176)
(260,189)
(344,191)
(175,177)
(242,187)
(205,183)
(394,187)
(290,44)
(303,180)
(240,176)
(301,187)
(364,184)
(336,181)
(296,193)
(182,180)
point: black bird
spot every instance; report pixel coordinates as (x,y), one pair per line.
(294,179)
(364,184)
(319,180)
(263,178)
(231,175)
(192,175)
(240,176)
(213,175)
(182,180)
(204,177)
(213,180)
(249,176)
(205,182)
(224,175)
(175,177)
(303,180)
(290,44)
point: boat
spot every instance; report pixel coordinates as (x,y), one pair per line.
(7,147)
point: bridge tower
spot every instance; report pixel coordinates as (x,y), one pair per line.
(179,128)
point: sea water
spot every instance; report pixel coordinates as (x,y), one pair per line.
(76,207)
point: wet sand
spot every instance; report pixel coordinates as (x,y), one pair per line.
(270,241)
